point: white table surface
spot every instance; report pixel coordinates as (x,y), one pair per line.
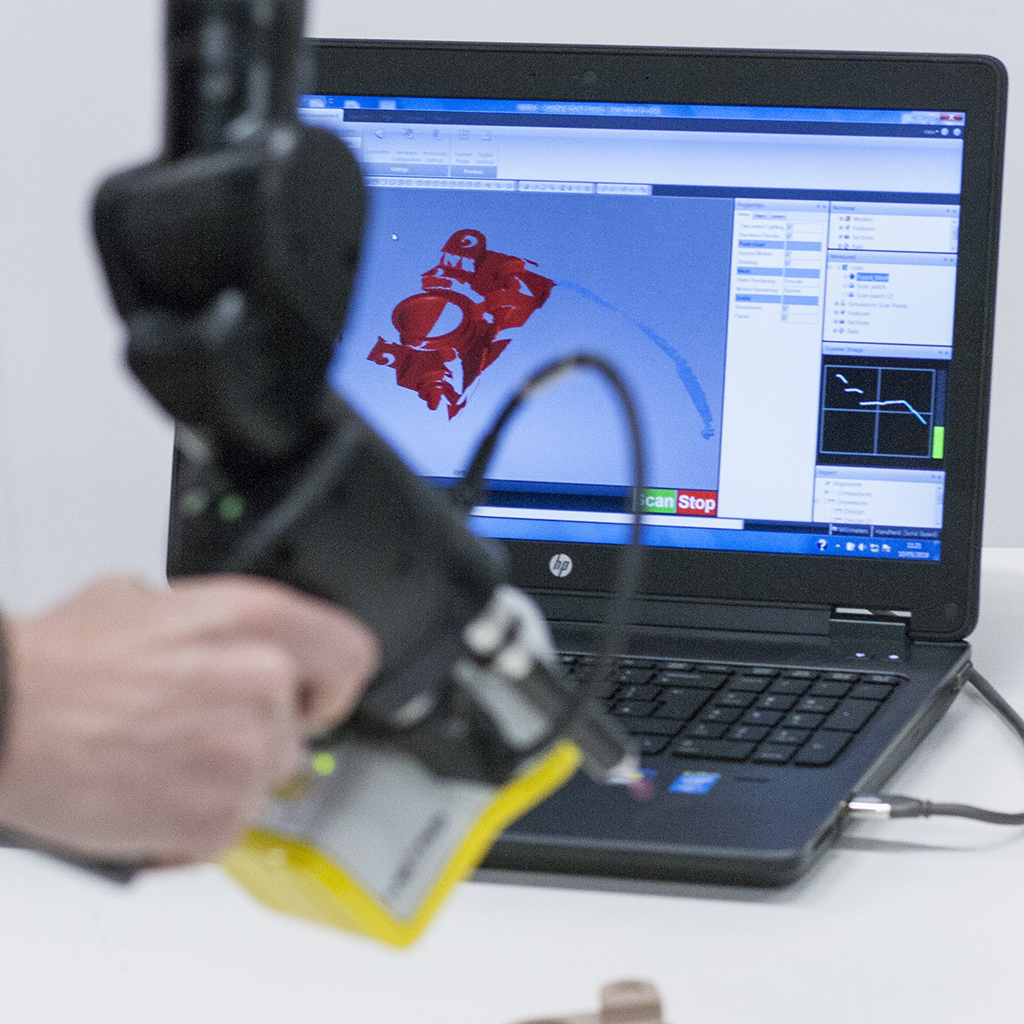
(915,921)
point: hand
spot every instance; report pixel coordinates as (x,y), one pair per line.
(151,724)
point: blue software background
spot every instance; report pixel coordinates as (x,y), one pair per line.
(658,265)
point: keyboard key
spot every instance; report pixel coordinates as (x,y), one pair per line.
(793,687)
(697,680)
(817,705)
(841,677)
(758,716)
(773,753)
(634,709)
(707,730)
(827,689)
(636,663)
(802,720)
(638,692)
(776,702)
(651,744)
(719,750)
(632,675)
(850,715)
(735,699)
(720,714)
(870,691)
(676,666)
(878,677)
(749,684)
(822,748)
(716,668)
(791,736)
(680,691)
(652,726)
(751,733)
(761,670)
(682,703)
(800,673)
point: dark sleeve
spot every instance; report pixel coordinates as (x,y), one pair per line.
(7,837)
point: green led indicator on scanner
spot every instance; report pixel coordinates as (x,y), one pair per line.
(231,508)
(938,442)
(324,764)
(194,502)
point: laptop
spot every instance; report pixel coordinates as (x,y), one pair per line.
(790,258)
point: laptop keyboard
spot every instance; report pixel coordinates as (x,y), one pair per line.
(762,714)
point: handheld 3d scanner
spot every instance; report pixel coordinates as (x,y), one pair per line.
(231,259)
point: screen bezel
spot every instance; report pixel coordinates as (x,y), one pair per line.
(941,597)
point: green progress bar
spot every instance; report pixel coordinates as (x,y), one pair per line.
(938,442)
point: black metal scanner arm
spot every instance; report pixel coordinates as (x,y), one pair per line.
(231,260)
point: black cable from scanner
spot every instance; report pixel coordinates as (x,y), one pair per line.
(470,493)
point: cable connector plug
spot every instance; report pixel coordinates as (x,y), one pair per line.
(886,805)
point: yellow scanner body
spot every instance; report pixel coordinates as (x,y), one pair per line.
(370,841)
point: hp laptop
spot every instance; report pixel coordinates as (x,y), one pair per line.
(791,259)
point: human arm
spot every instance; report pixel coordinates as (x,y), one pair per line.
(150,724)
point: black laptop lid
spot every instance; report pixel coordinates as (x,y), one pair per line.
(790,256)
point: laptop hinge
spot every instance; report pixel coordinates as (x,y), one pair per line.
(680,613)
(871,633)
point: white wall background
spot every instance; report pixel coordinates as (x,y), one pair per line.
(85,460)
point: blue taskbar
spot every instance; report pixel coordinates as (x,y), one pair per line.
(794,539)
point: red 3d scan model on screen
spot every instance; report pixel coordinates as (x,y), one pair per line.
(476,292)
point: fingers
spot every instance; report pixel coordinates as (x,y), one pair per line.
(335,671)
(224,786)
(335,655)
(251,687)
(151,722)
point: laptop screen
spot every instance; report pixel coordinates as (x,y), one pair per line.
(776,286)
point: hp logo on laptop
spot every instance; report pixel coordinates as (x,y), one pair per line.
(560,565)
